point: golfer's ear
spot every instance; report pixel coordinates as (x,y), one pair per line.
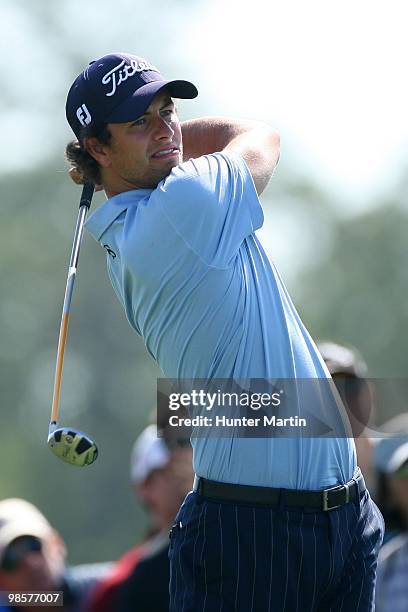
(98,151)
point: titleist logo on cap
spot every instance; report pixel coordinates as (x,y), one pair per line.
(120,73)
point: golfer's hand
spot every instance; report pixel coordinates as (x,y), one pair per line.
(79,179)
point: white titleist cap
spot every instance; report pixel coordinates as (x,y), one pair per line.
(20,518)
(390,453)
(149,453)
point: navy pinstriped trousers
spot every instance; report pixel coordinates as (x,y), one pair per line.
(227,557)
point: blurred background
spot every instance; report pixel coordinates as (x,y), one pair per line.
(331,79)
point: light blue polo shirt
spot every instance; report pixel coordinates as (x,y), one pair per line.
(197,285)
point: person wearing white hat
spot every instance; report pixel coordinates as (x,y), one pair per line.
(152,479)
(31,552)
(160,478)
(391,463)
(32,559)
(349,372)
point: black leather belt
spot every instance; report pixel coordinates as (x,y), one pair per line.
(327,499)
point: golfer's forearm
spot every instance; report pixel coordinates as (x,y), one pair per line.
(210,134)
(257,142)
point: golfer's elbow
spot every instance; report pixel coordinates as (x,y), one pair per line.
(272,148)
(259,145)
(264,156)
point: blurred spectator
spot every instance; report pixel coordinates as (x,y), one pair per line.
(32,558)
(348,370)
(392,573)
(140,579)
(391,462)
(147,588)
(153,478)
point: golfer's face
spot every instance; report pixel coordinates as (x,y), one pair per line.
(143,152)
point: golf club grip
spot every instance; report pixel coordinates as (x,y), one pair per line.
(84,204)
(86,195)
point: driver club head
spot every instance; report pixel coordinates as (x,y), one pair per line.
(72,446)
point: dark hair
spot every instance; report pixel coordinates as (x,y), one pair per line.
(79,157)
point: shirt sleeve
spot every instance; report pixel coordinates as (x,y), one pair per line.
(211,202)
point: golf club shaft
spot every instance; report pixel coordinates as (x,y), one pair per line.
(84,205)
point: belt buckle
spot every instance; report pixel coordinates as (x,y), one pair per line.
(326,492)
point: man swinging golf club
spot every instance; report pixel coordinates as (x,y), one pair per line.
(278,524)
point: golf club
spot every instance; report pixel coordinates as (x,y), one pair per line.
(67,443)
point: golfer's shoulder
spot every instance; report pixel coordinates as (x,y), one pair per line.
(207,175)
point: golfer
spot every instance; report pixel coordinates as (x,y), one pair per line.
(273,523)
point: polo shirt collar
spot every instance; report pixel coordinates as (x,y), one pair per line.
(99,221)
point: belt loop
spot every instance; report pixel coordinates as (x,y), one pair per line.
(356,479)
(281,499)
(196,483)
(360,483)
(356,476)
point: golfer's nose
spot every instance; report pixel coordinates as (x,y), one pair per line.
(163,129)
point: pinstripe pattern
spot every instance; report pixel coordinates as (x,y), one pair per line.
(184,582)
(271,572)
(203,559)
(314,562)
(287,561)
(221,555)
(300,563)
(254,550)
(363,531)
(236,558)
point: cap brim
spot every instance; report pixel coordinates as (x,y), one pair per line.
(398,458)
(17,530)
(136,104)
(149,453)
(342,359)
(390,453)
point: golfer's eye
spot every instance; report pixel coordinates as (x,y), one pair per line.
(168,112)
(140,121)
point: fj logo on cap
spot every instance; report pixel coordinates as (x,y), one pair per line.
(83,114)
(123,71)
